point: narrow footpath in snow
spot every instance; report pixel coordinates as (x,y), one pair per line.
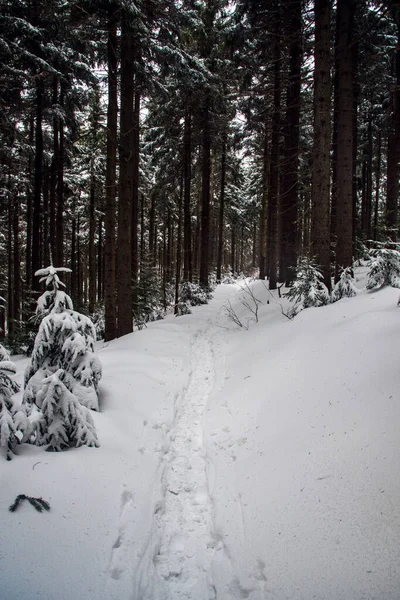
(183,532)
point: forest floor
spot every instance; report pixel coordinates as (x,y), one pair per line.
(257,462)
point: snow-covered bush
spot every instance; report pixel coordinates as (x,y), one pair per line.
(308,288)
(65,340)
(63,421)
(191,294)
(384,268)
(53,298)
(63,374)
(98,320)
(345,285)
(149,293)
(14,423)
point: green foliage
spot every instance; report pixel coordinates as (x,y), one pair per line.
(63,421)
(384,268)
(308,289)
(14,424)
(191,294)
(38,503)
(345,286)
(149,292)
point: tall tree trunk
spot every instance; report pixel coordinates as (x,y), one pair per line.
(221,208)
(111,169)
(205,195)
(126,183)
(16,267)
(233,246)
(345,136)
(320,221)
(37,189)
(356,97)
(141,226)
(152,230)
(92,256)
(29,209)
(135,194)
(273,205)
(178,250)
(60,191)
(10,282)
(74,274)
(46,195)
(264,206)
(100,265)
(289,196)
(377,183)
(393,156)
(53,178)
(187,174)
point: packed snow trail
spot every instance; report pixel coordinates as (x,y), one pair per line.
(183,533)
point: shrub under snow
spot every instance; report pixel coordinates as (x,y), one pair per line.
(14,423)
(308,288)
(384,268)
(62,377)
(191,294)
(345,286)
(63,421)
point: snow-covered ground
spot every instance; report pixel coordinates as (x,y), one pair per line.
(234,463)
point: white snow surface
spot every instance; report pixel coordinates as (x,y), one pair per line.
(260,464)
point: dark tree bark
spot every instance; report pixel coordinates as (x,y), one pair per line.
(221,208)
(273,204)
(16,267)
(178,250)
(264,206)
(205,195)
(100,263)
(60,194)
(152,230)
(187,170)
(345,135)
(393,156)
(111,167)
(135,194)
(141,226)
(10,282)
(377,183)
(37,189)
(233,246)
(320,221)
(53,179)
(29,209)
(74,266)
(289,196)
(91,252)
(46,236)
(126,183)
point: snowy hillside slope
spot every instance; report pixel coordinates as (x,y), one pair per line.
(260,463)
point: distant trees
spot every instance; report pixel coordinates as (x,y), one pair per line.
(167,141)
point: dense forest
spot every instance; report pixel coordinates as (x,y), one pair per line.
(156,146)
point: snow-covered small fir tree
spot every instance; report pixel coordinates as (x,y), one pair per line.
(345,286)
(191,294)
(63,421)
(65,340)
(384,268)
(52,298)
(308,288)
(14,423)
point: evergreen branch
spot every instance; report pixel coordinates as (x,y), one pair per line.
(38,503)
